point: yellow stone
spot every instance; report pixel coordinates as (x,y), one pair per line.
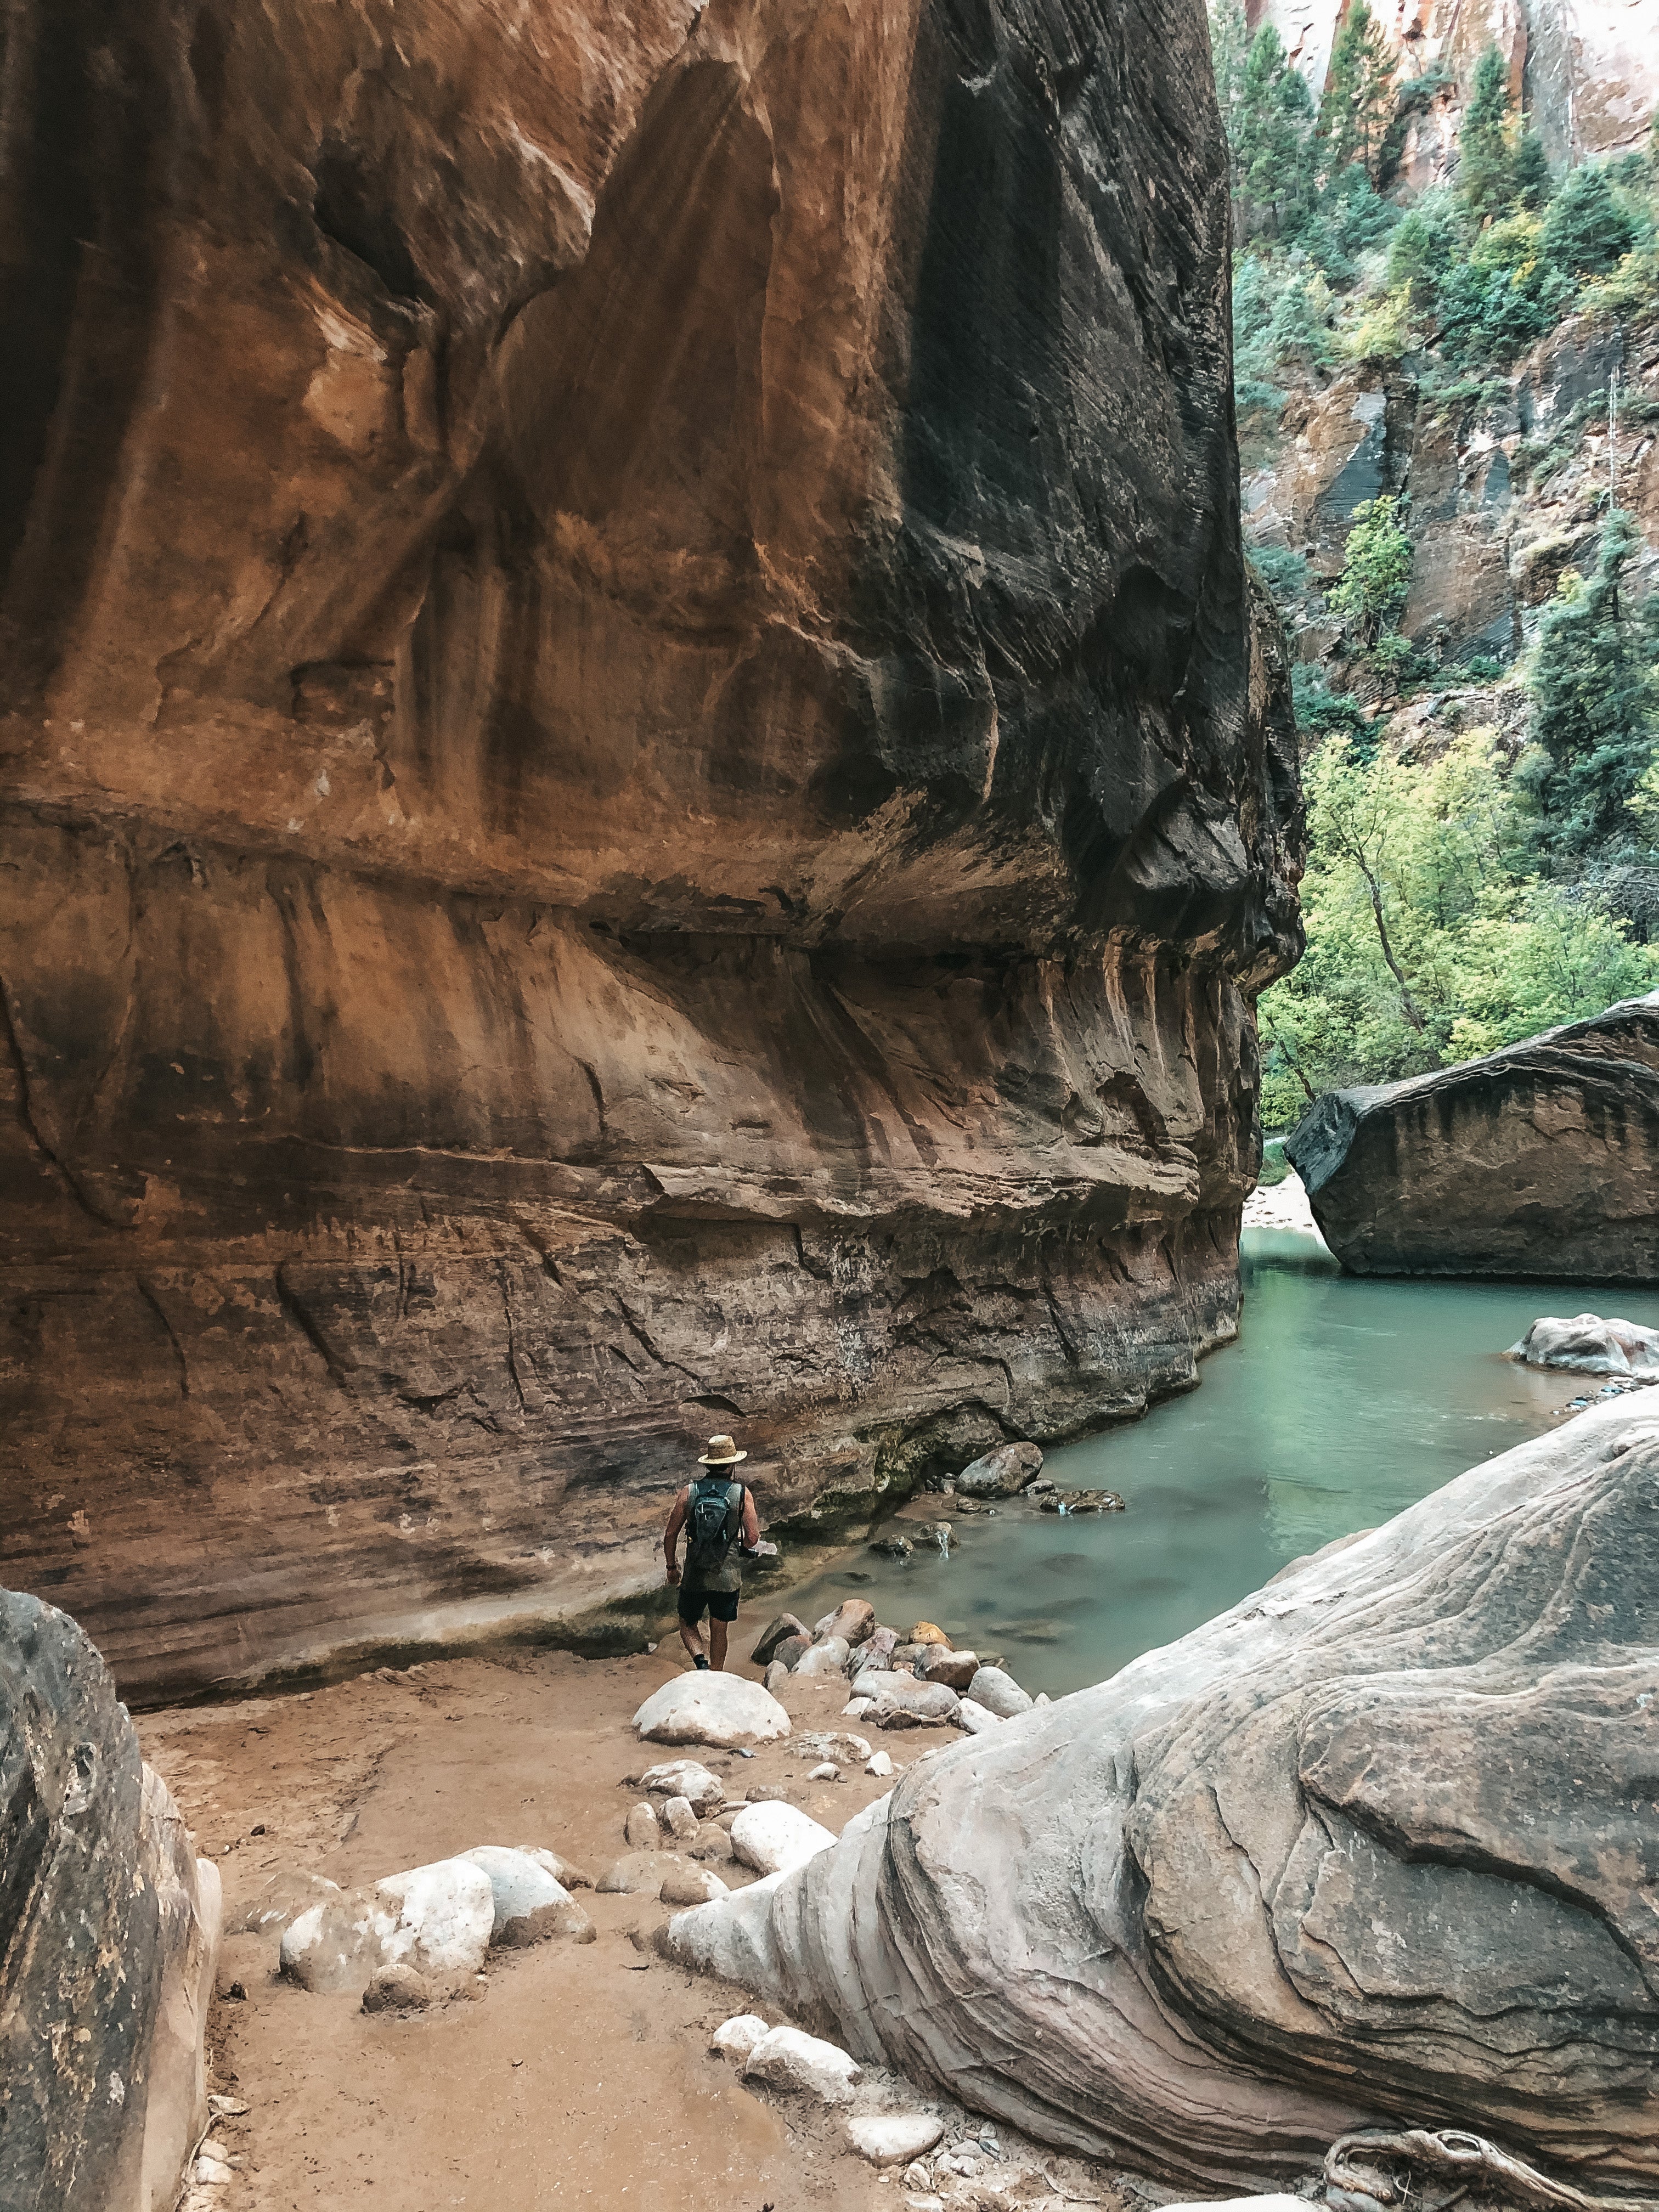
(924,1632)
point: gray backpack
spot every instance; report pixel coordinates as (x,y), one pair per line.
(712,1520)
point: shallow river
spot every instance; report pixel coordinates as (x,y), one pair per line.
(1342,1401)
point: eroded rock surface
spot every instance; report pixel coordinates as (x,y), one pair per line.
(109,1928)
(1538,1160)
(1378,1842)
(639,787)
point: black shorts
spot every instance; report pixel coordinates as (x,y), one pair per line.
(721,1605)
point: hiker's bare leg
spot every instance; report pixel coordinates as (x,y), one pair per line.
(717,1645)
(691,1637)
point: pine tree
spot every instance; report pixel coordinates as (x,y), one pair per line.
(1594,694)
(1275,117)
(1485,171)
(1229,42)
(1586,229)
(1530,179)
(1359,99)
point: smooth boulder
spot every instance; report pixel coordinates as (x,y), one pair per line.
(437,1919)
(685,1777)
(725,1710)
(1001,1473)
(774,1837)
(785,2058)
(995,1692)
(1587,1344)
(530,1905)
(893,2138)
(109,1930)
(853,1620)
(828,1658)
(1377,1841)
(1540,1159)
(777,1631)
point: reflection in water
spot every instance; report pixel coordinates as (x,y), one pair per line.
(1344,1400)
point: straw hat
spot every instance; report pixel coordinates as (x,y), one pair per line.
(721,1452)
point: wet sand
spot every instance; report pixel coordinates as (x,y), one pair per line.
(577,2075)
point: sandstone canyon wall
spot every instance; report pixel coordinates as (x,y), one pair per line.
(1587,72)
(641,792)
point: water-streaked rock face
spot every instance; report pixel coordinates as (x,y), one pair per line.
(640,791)
(1378,1844)
(1539,1159)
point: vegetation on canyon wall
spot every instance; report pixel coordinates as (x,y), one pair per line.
(1490,866)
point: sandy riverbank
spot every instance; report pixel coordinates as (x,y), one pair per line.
(579,2075)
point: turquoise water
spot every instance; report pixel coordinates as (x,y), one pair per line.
(1343,1401)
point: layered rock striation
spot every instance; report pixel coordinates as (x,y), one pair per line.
(109,1928)
(1540,1159)
(640,788)
(1379,1842)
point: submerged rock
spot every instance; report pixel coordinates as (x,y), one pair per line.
(1431,1749)
(1541,1159)
(1587,1344)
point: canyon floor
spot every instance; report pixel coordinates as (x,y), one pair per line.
(578,2075)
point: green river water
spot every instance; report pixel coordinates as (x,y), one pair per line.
(1343,1401)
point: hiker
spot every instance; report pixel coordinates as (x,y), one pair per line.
(721,1527)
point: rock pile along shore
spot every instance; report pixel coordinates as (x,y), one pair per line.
(1375,1845)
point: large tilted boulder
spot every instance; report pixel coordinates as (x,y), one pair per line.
(1587,1344)
(1379,1844)
(1541,1159)
(109,1927)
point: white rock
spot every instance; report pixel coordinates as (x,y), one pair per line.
(880,1764)
(828,1772)
(726,1710)
(520,1887)
(641,1831)
(829,1657)
(684,1778)
(731,1938)
(736,2037)
(679,1820)
(213,2170)
(893,2138)
(975,1718)
(437,1919)
(786,2059)
(775,1676)
(565,1872)
(998,1693)
(859,1708)
(773,1838)
(1589,1346)
(444,1915)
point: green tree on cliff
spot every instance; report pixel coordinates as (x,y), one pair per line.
(1275,119)
(1486,170)
(1376,568)
(1359,99)
(1595,707)
(1586,230)
(1530,177)
(1229,43)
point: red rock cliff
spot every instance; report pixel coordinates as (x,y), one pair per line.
(638,793)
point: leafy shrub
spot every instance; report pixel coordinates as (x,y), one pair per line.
(1425,245)
(1504,296)
(1377,568)
(1321,710)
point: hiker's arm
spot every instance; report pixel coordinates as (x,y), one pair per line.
(750,1522)
(671,1537)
